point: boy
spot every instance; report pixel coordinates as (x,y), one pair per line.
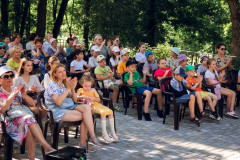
(133,78)
(122,65)
(177,87)
(70,46)
(151,64)
(104,73)
(183,60)
(195,85)
(92,62)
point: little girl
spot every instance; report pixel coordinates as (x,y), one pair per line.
(213,79)
(140,56)
(162,71)
(90,94)
(203,66)
(115,59)
(172,62)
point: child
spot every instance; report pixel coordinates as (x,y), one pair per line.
(90,94)
(213,79)
(203,66)
(182,60)
(151,64)
(122,65)
(177,87)
(172,62)
(133,78)
(77,66)
(104,73)
(195,85)
(115,59)
(140,56)
(162,71)
(93,60)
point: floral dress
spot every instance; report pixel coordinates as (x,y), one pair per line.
(17,127)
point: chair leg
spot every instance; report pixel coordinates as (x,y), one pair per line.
(22,147)
(167,105)
(66,131)
(45,129)
(8,147)
(76,132)
(139,108)
(126,103)
(220,107)
(55,135)
(176,116)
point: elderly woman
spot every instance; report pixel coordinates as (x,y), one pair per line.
(16,38)
(14,62)
(57,51)
(60,97)
(20,122)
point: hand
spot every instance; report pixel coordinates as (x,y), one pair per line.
(82,71)
(167,71)
(109,43)
(222,74)
(33,88)
(199,79)
(73,83)
(22,89)
(17,90)
(103,42)
(229,61)
(145,71)
(110,75)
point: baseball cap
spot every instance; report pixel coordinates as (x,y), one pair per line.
(4,69)
(52,39)
(179,70)
(95,48)
(124,51)
(100,57)
(189,68)
(130,62)
(175,50)
(203,56)
(148,53)
(182,57)
(115,49)
(1,44)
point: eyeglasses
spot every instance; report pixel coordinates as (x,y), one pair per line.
(223,49)
(8,76)
(2,47)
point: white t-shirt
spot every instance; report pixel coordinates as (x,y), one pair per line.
(29,46)
(92,62)
(33,81)
(212,76)
(140,57)
(78,65)
(46,80)
(113,62)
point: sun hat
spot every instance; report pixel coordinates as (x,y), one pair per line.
(115,49)
(95,48)
(124,51)
(148,53)
(189,68)
(182,57)
(175,50)
(100,57)
(179,70)
(4,69)
(52,39)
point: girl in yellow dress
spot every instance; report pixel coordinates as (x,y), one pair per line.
(90,94)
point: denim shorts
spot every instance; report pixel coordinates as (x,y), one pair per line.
(185,98)
(140,90)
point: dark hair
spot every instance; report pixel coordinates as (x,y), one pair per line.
(77,52)
(14,36)
(140,44)
(39,40)
(159,60)
(32,36)
(114,37)
(87,78)
(6,37)
(22,63)
(220,44)
(70,39)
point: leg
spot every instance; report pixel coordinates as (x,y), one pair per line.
(191,106)
(210,103)
(226,92)
(115,93)
(199,101)
(30,144)
(233,100)
(159,97)
(214,101)
(148,95)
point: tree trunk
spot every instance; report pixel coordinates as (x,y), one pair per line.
(86,22)
(234,6)
(4,18)
(151,27)
(55,4)
(58,22)
(24,16)
(41,18)
(17,10)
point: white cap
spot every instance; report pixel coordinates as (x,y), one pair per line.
(115,49)
(52,39)
(124,51)
(4,69)
(100,57)
(95,48)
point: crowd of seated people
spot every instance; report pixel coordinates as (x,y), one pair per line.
(18,80)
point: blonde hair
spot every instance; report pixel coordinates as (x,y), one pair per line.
(13,49)
(87,78)
(53,70)
(51,60)
(96,37)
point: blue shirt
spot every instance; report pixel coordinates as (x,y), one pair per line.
(177,84)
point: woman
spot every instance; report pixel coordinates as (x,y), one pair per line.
(64,109)
(20,122)
(57,51)
(16,38)
(3,55)
(14,62)
(32,38)
(98,41)
(115,41)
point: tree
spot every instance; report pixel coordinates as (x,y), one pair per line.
(41,18)
(4,18)
(86,22)
(234,6)
(24,16)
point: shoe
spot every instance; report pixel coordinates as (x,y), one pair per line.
(90,148)
(196,121)
(215,116)
(96,143)
(106,139)
(147,116)
(232,114)
(117,108)
(114,137)
(160,113)
(51,151)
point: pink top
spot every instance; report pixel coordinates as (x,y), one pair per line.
(159,72)
(10,45)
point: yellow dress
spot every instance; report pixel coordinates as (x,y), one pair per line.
(98,108)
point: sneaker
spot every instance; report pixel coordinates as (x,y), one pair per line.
(160,113)
(215,116)
(116,107)
(147,116)
(113,137)
(232,114)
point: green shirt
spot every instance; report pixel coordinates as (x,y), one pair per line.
(102,71)
(136,82)
(12,64)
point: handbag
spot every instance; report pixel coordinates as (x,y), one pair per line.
(68,102)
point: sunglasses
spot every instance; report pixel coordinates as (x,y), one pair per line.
(8,76)
(223,49)
(2,47)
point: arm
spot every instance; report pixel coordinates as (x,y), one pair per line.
(72,70)
(44,52)
(35,54)
(28,100)
(98,76)
(159,78)
(88,67)
(238,79)
(58,99)
(130,81)
(143,80)
(64,53)
(210,82)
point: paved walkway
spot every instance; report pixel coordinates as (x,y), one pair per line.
(154,140)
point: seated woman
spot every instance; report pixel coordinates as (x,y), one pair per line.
(63,108)
(14,62)
(58,51)
(20,120)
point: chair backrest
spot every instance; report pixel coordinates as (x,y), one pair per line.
(41,100)
(122,77)
(232,75)
(165,83)
(139,68)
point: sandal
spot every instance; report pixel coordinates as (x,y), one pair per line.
(134,105)
(196,121)
(115,138)
(104,140)
(90,148)
(201,115)
(50,151)
(96,143)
